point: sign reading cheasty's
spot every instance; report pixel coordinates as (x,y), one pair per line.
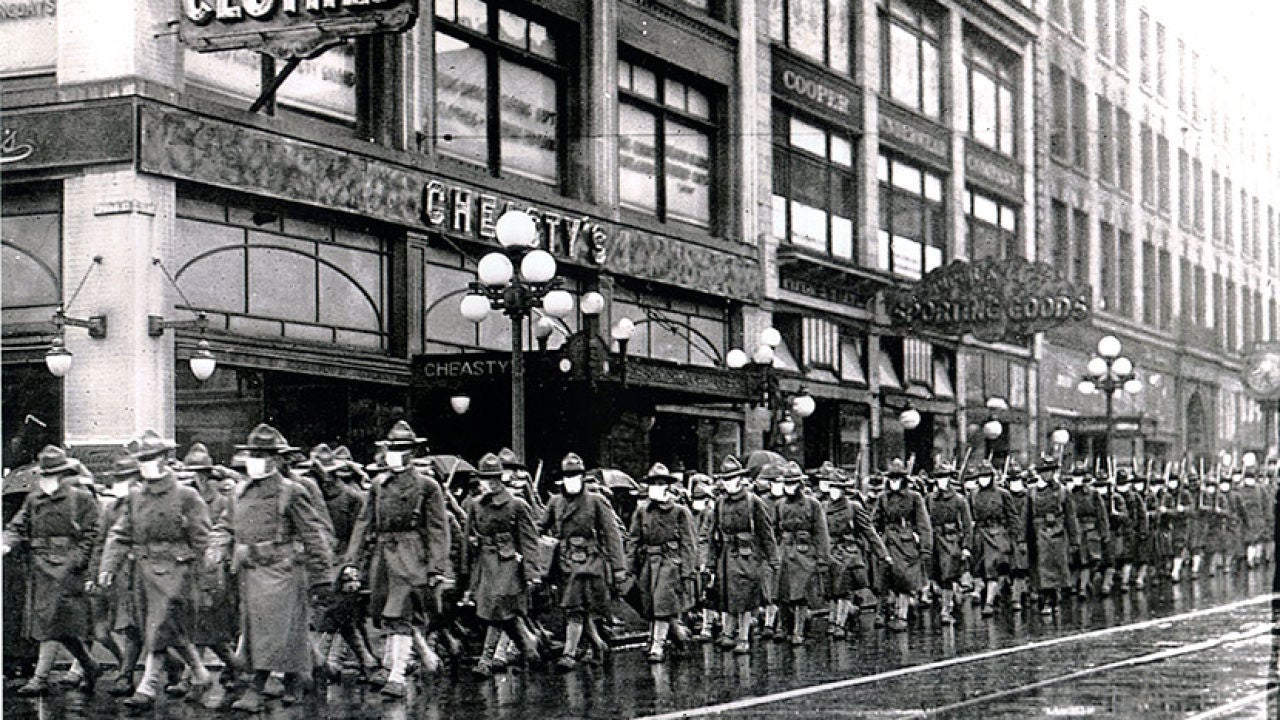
(288,28)
(995,300)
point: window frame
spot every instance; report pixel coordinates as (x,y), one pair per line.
(784,151)
(662,113)
(1003,72)
(1012,239)
(827,45)
(495,50)
(887,190)
(888,18)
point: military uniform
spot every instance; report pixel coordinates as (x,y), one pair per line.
(1052,537)
(589,549)
(952,534)
(996,530)
(854,543)
(500,555)
(1092,516)
(903,521)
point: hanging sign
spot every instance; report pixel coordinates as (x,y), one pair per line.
(1261,371)
(995,300)
(287,29)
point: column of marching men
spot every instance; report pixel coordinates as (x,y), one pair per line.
(282,562)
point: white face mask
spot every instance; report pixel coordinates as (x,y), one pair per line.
(699,505)
(733,486)
(573,485)
(1122,488)
(985,481)
(1100,490)
(835,493)
(1042,483)
(256,467)
(49,484)
(119,489)
(657,493)
(895,485)
(1250,481)
(775,489)
(824,486)
(1225,487)
(944,483)
(1017,486)
(1173,484)
(151,469)
(395,460)
(1211,489)
(1139,486)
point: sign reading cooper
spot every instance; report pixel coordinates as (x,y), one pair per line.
(995,300)
(288,29)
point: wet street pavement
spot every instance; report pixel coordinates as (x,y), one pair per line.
(1197,650)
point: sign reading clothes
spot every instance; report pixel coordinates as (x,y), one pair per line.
(287,29)
(995,300)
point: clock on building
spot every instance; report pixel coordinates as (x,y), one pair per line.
(1261,372)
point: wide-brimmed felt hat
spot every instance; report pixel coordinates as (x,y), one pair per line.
(982,468)
(122,465)
(944,468)
(659,474)
(489,466)
(53,460)
(197,458)
(792,472)
(771,472)
(571,466)
(265,438)
(402,436)
(896,468)
(323,457)
(1047,463)
(731,467)
(509,459)
(149,445)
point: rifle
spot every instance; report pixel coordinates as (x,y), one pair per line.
(963,465)
(911,463)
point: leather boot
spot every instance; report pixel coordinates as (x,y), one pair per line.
(1108,580)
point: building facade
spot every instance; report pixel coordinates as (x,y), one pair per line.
(1160,190)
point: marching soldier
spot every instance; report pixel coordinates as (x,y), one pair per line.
(116,609)
(854,541)
(404,529)
(996,529)
(666,557)
(1182,504)
(1130,528)
(744,547)
(1090,501)
(269,516)
(804,548)
(903,521)
(59,525)
(588,553)
(1236,522)
(1159,543)
(952,537)
(165,527)
(1052,534)
(702,506)
(500,554)
(769,488)
(1254,508)
(1020,569)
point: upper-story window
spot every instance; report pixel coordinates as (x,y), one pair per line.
(666,143)
(910,42)
(913,236)
(814,186)
(500,85)
(993,93)
(992,226)
(324,86)
(817,29)
(1144,47)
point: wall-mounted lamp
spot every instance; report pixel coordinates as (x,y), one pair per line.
(910,418)
(202,362)
(460,403)
(58,358)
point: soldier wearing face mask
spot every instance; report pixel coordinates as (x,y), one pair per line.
(165,527)
(996,528)
(1052,534)
(1129,525)
(854,541)
(405,523)
(952,537)
(666,557)
(702,508)
(1156,557)
(1095,531)
(58,524)
(1202,522)
(770,489)
(1020,568)
(588,554)
(499,557)
(1178,519)
(804,546)
(1233,521)
(903,521)
(745,549)
(1252,511)
(116,611)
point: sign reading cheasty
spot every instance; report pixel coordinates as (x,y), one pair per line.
(995,300)
(288,29)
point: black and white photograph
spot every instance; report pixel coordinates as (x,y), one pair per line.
(639,359)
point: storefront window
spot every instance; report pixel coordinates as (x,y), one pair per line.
(29,36)
(282,278)
(993,228)
(324,86)
(910,42)
(814,188)
(499,89)
(665,163)
(993,92)
(912,238)
(680,332)
(817,29)
(31,269)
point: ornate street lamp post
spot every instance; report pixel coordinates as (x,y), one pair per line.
(783,408)
(1109,372)
(500,288)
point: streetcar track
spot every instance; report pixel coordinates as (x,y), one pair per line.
(796,693)
(1238,704)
